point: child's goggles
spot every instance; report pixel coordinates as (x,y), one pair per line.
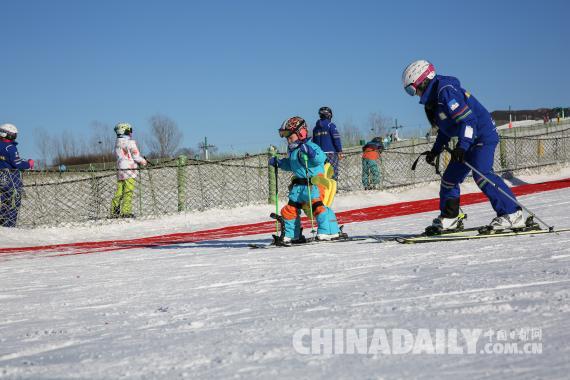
(285,132)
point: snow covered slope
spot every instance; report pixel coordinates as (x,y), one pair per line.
(217,309)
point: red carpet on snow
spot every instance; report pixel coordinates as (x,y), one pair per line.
(344,217)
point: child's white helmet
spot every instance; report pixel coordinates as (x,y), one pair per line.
(123,129)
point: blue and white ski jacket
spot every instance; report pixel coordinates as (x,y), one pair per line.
(327,136)
(10,159)
(295,164)
(457,114)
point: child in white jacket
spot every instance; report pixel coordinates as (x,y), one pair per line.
(128,160)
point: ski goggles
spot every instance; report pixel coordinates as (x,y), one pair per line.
(410,89)
(285,132)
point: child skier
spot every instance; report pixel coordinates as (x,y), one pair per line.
(128,160)
(11,186)
(370,156)
(306,160)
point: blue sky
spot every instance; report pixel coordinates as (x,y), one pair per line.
(234,70)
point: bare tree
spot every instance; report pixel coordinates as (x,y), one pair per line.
(46,146)
(67,146)
(379,125)
(165,136)
(102,140)
(350,134)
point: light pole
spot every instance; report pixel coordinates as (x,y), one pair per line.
(204,146)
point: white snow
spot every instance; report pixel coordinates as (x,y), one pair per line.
(217,309)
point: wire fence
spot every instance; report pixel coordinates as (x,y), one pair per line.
(50,198)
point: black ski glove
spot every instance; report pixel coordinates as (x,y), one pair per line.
(430,157)
(458,155)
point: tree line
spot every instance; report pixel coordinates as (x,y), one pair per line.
(163,141)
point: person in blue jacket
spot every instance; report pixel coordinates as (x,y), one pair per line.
(327,137)
(301,148)
(457,113)
(10,176)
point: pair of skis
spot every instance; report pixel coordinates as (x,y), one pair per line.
(477,233)
(470,236)
(278,239)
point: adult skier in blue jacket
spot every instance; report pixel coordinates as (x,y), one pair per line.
(458,114)
(327,137)
(300,147)
(10,176)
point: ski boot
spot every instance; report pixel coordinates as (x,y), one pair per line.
(282,241)
(285,241)
(511,222)
(327,237)
(442,225)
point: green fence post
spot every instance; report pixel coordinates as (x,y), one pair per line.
(271,151)
(182,161)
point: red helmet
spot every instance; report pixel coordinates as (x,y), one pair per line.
(294,125)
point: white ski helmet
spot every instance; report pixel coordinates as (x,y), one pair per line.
(123,129)
(415,74)
(8,131)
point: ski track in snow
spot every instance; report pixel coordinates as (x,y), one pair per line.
(217,309)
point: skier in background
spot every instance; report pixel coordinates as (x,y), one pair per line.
(299,148)
(370,156)
(128,160)
(327,137)
(10,176)
(458,114)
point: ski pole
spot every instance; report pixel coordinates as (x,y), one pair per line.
(309,184)
(276,166)
(550,228)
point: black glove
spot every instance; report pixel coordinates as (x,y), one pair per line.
(273,161)
(430,157)
(458,155)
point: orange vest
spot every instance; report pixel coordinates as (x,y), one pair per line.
(371,154)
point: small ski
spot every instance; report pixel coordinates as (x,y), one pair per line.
(467,236)
(308,241)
